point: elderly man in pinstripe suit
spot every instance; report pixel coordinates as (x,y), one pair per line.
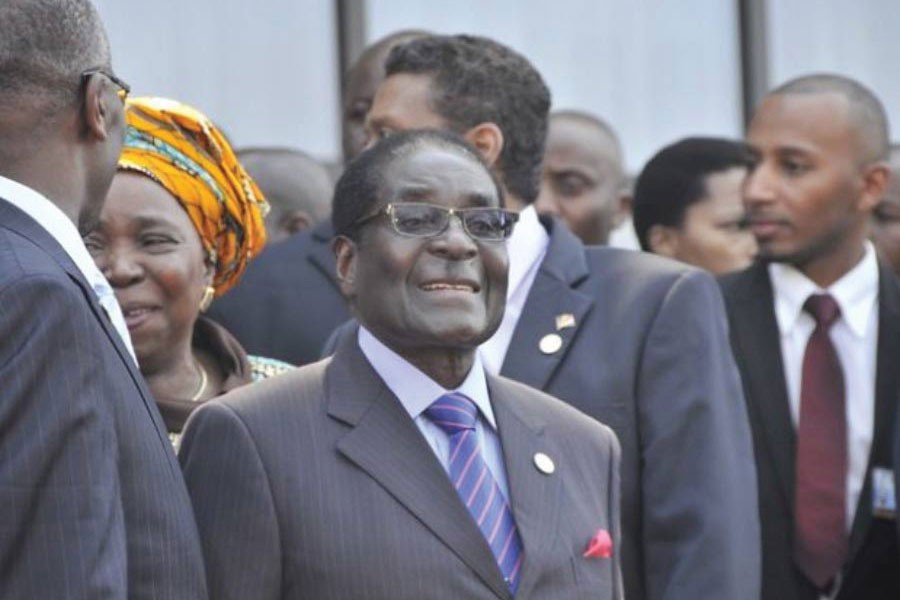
(398,469)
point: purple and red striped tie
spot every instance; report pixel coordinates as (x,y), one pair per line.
(456,414)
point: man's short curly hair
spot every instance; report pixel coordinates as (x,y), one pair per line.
(360,188)
(477,80)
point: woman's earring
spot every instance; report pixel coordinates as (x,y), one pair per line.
(208,295)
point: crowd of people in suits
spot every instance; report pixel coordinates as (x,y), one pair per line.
(225,376)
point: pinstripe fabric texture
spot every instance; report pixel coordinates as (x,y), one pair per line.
(317,484)
(92,504)
(456,414)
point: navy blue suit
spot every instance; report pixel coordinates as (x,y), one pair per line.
(92,502)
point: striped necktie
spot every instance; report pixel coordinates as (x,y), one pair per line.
(455,414)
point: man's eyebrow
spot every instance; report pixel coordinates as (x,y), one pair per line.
(480,199)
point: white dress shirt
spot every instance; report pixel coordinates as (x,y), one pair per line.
(855,338)
(63,230)
(416,391)
(526,248)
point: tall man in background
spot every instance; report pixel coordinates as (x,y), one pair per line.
(638,342)
(93,503)
(815,327)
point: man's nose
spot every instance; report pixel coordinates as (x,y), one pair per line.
(759,186)
(454,242)
(546,201)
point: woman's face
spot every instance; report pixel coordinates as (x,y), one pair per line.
(148,249)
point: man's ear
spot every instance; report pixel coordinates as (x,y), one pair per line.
(663,240)
(97,111)
(345,254)
(488,140)
(875,183)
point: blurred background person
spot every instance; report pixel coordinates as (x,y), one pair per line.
(295,185)
(885,223)
(289,302)
(687,204)
(360,83)
(181,222)
(583,175)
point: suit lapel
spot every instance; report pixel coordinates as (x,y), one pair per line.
(552,294)
(885,398)
(758,349)
(387,445)
(16,220)
(534,496)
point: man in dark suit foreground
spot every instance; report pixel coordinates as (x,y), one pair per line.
(815,326)
(92,504)
(637,342)
(332,481)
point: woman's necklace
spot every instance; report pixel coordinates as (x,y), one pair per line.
(204,379)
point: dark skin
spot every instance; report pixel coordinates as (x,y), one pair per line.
(149,251)
(82,143)
(431,300)
(885,225)
(813,188)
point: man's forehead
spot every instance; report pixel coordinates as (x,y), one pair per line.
(436,171)
(813,123)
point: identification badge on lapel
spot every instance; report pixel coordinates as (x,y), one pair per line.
(884,502)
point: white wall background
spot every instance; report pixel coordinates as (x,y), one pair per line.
(657,70)
(266,70)
(860,39)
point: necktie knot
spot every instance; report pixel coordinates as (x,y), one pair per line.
(453,412)
(823,308)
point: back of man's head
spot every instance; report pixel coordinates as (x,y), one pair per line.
(477,80)
(675,178)
(44,47)
(866,112)
(296,186)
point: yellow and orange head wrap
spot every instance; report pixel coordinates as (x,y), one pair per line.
(180,148)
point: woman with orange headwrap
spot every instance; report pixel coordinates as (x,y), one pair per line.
(181,222)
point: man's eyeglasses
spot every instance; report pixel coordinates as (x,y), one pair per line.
(415,219)
(124,88)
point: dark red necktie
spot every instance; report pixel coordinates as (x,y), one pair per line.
(820,534)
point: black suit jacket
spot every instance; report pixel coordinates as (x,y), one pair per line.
(288,301)
(872,571)
(92,502)
(317,484)
(646,352)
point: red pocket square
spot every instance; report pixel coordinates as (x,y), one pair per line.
(600,546)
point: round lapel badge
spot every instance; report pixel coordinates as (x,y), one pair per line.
(550,343)
(544,463)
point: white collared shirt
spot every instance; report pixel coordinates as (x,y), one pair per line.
(526,248)
(63,230)
(416,391)
(855,338)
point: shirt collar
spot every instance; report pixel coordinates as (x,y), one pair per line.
(526,247)
(55,222)
(856,293)
(415,390)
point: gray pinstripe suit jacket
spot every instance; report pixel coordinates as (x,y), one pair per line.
(317,484)
(92,504)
